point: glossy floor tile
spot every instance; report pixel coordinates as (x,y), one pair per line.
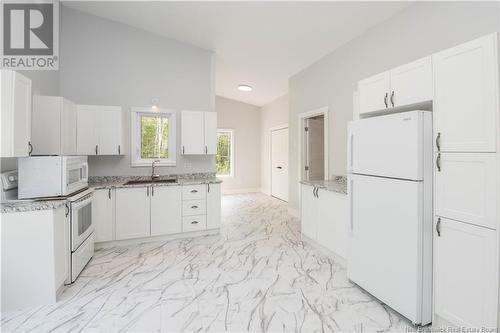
(257,275)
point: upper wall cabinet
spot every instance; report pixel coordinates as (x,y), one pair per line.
(465,96)
(99,130)
(404,85)
(16,114)
(199,133)
(54,126)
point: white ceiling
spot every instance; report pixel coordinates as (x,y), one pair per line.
(260,44)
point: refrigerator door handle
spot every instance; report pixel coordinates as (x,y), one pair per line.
(350,192)
(350,147)
(438,227)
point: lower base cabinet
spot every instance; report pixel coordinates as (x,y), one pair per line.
(132,212)
(213,206)
(138,212)
(166,210)
(324,218)
(465,274)
(102,215)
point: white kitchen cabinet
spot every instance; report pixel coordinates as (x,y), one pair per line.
(132,212)
(109,130)
(100,130)
(166,210)
(465,274)
(333,227)
(324,218)
(213,206)
(405,85)
(34,261)
(466,188)
(198,133)
(411,83)
(309,212)
(86,141)
(374,93)
(466,96)
(210,132)
(103,215)
(53,130)
(16,114)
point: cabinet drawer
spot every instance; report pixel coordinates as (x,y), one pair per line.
(193,192)
(194,223)
(194,207)
(466,188)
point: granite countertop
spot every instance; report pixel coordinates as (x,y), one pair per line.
(16,206)
(99,183)
(108,182)
(337,184)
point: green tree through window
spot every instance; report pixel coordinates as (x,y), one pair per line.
(154,137)
(223,159)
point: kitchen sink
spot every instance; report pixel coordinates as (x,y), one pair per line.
(150,181)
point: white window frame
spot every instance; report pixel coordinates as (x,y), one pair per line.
(135,133)
(231,152)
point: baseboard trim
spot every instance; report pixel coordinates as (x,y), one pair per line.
(265,191)
(241,190)
(125,242)
(294,212)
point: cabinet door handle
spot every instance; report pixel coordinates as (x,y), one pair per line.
(96,149)
(67,210)
(194,207)
(314,191)
(206,150)
(385,100)
(438,141)
(438,227)
(194,222)
(182,150)
(392,98)
(317,192)
(109,193)
(208,187)
(31,148)
(147,191)
(194,191)
(119,150)
(152,191)
(438,162)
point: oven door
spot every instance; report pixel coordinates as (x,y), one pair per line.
(81,222)
(75,175)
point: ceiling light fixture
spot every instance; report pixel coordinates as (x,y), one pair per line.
(155,104)
(244,87)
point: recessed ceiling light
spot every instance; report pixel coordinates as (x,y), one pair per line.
(244,87)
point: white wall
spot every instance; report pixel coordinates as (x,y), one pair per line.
(272,115)
(244,120)
(105,62)
(419,30)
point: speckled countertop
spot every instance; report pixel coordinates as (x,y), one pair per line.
(107,182)
(337,184)
(99,183)
(30,205)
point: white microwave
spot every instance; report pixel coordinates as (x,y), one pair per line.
(51,176)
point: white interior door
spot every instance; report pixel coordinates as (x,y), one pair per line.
(279,163)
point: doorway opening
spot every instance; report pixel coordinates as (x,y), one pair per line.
(314,145)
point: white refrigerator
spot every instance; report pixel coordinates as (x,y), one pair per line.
(390,200)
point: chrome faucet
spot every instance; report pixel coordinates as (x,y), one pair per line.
(153,175)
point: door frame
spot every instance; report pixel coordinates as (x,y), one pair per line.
(323,111)
(271,130)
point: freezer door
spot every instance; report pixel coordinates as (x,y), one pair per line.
(389,146)
(385,252)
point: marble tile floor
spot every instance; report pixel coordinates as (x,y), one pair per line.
(257,276)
